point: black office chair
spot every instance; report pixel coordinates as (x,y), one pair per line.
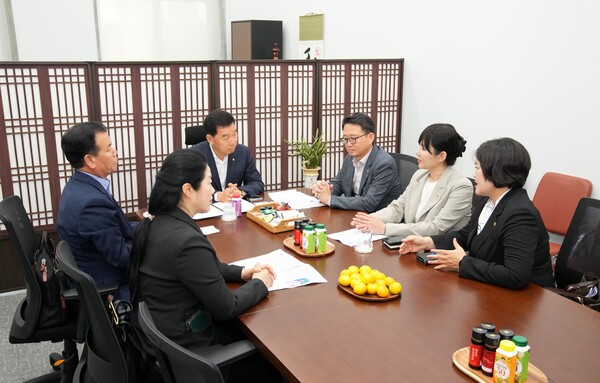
(181,365)
(26,326)
(102,359)
(407,166)
(195,134)
(580,250)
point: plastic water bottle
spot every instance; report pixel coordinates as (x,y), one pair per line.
(236,202)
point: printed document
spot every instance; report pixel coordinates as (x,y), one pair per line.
(290,271)
(296,200)
(349,237)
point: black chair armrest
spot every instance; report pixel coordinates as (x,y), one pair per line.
(104,290)
(225,355)
(70,294)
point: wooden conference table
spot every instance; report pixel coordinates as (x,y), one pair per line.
(318,333)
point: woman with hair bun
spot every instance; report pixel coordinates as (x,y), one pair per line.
(438,197)
(505,242)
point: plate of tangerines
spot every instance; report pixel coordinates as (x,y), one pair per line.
(368,284)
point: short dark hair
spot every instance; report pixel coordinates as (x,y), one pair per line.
(504,161)
(443,138)
(215,119)
(80,140)
(180,167)
(361,119)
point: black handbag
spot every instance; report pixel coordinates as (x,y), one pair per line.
(140,366)
(51,281)
(586,292)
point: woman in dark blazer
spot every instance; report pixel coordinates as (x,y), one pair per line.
(174,268)
(505,243)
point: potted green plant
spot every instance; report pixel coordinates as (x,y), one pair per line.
(311,154)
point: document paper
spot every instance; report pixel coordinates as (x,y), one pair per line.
(216,210)
(348,237)
(290,271)
(296,200)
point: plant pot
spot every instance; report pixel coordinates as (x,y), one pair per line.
(310,176)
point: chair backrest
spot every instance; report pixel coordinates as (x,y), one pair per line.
(407,166)
(177,364)
(580,250)
(556,198)
(25,242)
(105,360)
(195,134)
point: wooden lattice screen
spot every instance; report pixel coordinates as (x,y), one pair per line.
(148,105)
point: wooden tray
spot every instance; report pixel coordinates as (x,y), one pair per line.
(368,297)
(284,224)
(461,361)
(289,243)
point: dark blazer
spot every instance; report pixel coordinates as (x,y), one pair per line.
(379,186)
(511,250)
(240,169)
(181,275)
(97,231)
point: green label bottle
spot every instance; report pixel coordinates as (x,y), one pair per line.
(522,348)
(321,238)
(308,239)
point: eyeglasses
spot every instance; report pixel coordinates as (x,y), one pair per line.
(351,140)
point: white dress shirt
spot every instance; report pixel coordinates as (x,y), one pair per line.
(359,166)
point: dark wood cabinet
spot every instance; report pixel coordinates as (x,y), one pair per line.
(254,39)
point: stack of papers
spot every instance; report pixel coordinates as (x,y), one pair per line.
(216,210)
(349,237)
(290,271)
(296,200)
(246,206)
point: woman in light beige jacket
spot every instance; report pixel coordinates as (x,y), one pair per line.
(437,199)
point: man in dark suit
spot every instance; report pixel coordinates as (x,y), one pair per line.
(89,218)
(230,163)
(368,180)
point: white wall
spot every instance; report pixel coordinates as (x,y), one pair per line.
(5,53)
(137,30)
(57,30)
(129,30)
(528,69)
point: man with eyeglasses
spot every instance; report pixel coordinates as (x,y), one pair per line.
(368,180)
(230,163)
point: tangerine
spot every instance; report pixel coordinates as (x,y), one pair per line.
(360,288)
(383,291)
(344,280)
(395,288)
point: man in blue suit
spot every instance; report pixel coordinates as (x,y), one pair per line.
(89,218)
(230,163)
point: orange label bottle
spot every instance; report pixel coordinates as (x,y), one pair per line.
(506,363)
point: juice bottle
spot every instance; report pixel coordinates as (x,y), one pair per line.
(321,238)
(308,239)
(506,363)
(522,348)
